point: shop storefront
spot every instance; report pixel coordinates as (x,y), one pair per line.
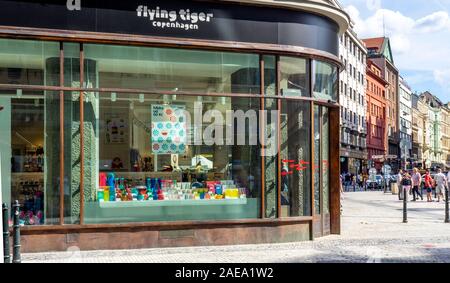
(167,123)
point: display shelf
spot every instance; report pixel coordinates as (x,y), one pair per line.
(164,203)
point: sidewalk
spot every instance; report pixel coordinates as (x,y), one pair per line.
(372,232)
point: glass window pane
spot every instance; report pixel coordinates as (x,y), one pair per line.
(317,160)
(167,69)
(28,120)
(23,61)
(271,137)
(325,81)
(172,158)
(296,159)
(325,147)
(294,79)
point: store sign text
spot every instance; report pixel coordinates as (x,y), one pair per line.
(182,19)
(73,5)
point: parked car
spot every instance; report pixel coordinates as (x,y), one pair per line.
(375,183)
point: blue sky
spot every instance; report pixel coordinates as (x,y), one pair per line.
(420,38)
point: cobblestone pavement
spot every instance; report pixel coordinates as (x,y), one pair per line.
(372,232)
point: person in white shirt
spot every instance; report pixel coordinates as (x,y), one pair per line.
(441,184)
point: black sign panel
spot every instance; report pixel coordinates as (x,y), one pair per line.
(184,19)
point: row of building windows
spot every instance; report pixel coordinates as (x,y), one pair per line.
(375,89)
(353,139)
(348,91)
(377,111)
(377,131)
(353,48)
(352,117)
(405,109)
(405,137)
(405,123)
(357,75)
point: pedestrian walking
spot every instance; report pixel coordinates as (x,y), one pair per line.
(406,185)
(347,181)
(416,183)
(399,182)
(441,183)
(428,186)
(365,178)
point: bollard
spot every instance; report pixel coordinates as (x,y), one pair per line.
(6,249)
(405,206)
(447,217)
(16,233)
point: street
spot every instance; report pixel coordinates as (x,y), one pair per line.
(372,231)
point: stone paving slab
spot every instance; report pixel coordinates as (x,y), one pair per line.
(372,231)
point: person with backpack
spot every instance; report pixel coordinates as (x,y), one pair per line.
(406,185)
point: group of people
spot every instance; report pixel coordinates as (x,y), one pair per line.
(412,184)
(352,182)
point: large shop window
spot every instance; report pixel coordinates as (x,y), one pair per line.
(183,148)
(167,158)
(296,159)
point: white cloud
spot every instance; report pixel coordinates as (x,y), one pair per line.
(419,44)
(397,26)
(442,77)
(373,5)
(433,23)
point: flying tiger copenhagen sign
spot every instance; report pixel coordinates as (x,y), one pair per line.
(162,18)
(181,19)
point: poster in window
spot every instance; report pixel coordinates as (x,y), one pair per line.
(116,129)
(169,135)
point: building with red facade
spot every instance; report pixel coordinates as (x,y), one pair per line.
(377,143)
(380,52)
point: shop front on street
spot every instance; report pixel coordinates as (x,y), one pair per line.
(170,123)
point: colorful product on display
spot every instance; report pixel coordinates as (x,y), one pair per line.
(31,202)
(155,189)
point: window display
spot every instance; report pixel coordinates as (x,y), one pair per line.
(175,162)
